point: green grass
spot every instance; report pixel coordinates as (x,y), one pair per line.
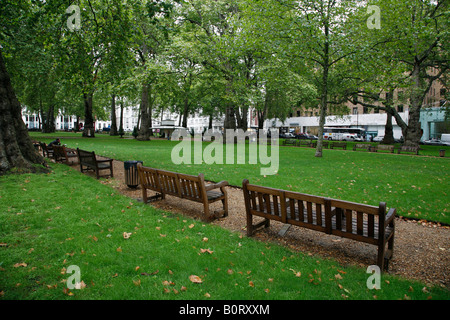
(417,186)
(49,222)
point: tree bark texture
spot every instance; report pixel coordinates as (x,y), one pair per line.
(16,148)
(113,131)
(146,120)
(89,129)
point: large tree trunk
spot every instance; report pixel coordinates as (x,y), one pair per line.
(323,115)
(113,131)
(185,112)
(48,122)
(146,120)
(89,130)
(242,118)
(388,129)
(324,97)
(121,118)
(323,112)
(16,149)
(414,132)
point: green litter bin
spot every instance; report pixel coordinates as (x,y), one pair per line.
(131,173)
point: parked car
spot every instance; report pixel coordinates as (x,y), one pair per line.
(287,135)
(436,142)
(351,137)
(301,136)
(378,139)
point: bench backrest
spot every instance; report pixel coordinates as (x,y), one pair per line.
(173,183)
(385,147)
(87,157)
(59,151)
(409,149)
(352,220)
(192,187)
(339,144)
(357,221)
(361,146)
(148,178)
(45,147)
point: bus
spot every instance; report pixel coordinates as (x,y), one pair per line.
(345,134)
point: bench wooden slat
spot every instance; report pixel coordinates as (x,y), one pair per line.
(348,218)
(319,214)
(359,223)
(371,225)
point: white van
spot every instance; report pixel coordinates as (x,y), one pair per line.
(445,139)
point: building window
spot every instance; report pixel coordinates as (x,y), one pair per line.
(355,110)
(298,113)
(365,110)
(400,108)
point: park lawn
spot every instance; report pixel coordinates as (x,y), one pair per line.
(417,186)
(49,222)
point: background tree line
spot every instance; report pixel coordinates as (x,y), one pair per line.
(220,57)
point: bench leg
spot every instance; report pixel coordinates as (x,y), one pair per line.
(206,210)
(390,252)
(249,225)
(144,195)
(380,257)
(225,203)
(225,207)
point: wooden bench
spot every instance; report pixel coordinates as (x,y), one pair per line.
(360,222)
(63,154)
(363,146)
(408,149)
(183,186)
(292,142)
(384,147)
(306,143)
(90,161)
(342,145)
(46,150)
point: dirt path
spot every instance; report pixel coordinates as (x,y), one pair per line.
(421,249)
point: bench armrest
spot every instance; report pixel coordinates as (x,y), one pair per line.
(390,216)
(212,186)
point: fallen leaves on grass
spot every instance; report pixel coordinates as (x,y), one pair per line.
(297,273)
(126,235)
(18,265)
(206,250)
(195,279)
(80,285)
